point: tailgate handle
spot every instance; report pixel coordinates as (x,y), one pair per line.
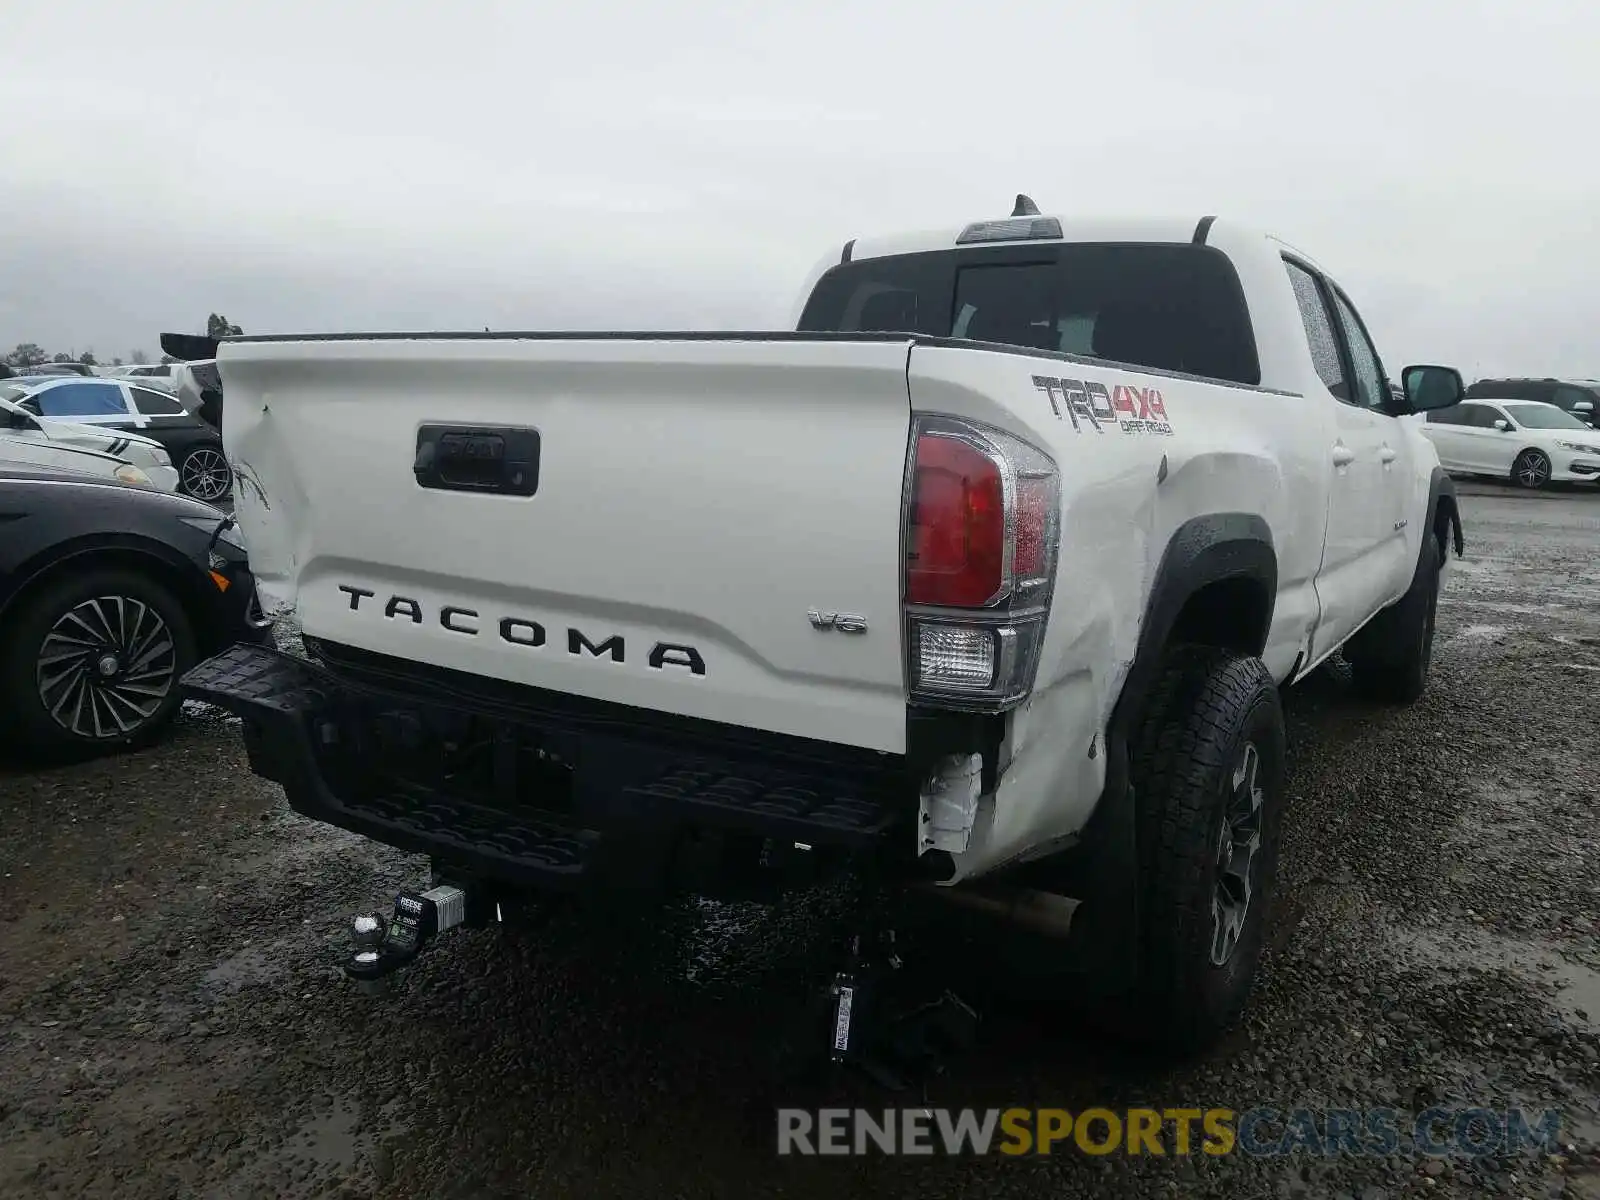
(460,458)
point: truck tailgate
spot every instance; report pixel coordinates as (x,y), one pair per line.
(692,499)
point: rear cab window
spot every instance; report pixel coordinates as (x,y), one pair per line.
(1166,306)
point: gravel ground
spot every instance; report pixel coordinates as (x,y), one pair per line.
(172,1023)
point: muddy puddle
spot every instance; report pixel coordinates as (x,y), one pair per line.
(1572,987)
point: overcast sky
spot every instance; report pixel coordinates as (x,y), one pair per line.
(351,164)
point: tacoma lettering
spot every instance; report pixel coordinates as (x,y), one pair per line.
(399,604)
(526,632)
(449,613)
(577,644)
(521,633)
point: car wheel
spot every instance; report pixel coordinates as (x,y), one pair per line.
(204,473)
(1207,773)
(1531,470)
(91,662)
(1389,658)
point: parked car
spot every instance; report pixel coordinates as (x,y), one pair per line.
(1531,443)
(69,368)
(195,447)
(158,382)
(146,371)
(1020,534)
(108,594)
(147,454)
(1580,397)
(18,450)
(195,379)
(198,386)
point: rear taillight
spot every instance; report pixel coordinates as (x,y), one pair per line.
(981,531)
(957,550)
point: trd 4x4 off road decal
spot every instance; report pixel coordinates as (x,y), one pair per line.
(1123,406)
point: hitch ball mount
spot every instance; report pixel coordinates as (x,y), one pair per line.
(383,945)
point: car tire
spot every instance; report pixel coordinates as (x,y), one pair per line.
(1207,769)
(204,473)
(1531,470)
(1389,659)
(90,663)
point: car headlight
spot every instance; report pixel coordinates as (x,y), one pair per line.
(1580,447)
(129,473)
(161,457)
(208,526)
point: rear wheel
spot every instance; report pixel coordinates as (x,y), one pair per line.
(91,663)
(204,473)
(1207,774)
(1531,470)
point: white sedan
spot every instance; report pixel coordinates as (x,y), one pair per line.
(147,454)
(54,456)
(1527,441)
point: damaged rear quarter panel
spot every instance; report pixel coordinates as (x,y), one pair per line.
(266,477)
(1228,450)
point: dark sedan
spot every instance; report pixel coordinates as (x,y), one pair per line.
(194,445)
(108,594)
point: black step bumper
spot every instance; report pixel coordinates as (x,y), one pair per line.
(636,801)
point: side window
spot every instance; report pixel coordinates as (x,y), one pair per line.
(1566,397)
(1454,415)
(1319,329)
(1481,416)
(154,404)
(1366,371)
(82,400)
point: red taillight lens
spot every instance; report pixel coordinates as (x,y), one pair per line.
(958,525)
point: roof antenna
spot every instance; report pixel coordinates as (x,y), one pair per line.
(1025,207)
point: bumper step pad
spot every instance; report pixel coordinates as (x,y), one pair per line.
(638,790)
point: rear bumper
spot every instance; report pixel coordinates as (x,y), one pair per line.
(628,805)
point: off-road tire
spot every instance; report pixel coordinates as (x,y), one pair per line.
(23,638)
(1207,705)
(1389,658)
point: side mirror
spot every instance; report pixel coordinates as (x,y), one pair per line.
(1430,387)
(1502,425)
(1583,406)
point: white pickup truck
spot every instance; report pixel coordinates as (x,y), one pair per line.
(985,576)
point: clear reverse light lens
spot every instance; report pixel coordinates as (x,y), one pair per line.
(955,658)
